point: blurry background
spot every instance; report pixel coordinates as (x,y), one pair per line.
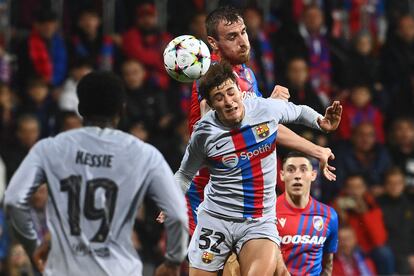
(360,52)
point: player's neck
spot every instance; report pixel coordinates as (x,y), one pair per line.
(101,122)
(299,202)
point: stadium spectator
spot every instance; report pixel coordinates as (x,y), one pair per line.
(350,260)
(357,207)
(5,65)
(362,67)
(145,43)
(145,102)
(261,60)
(43,54)
(197,26)
(397,65)
(39,102)
(89,43)
(300,88)
(69,120)
(401,145)
(68,100)
(26,135)
(362,155)
(310,40)
(358,108)
(398,213)
(93,165)
(8,108)
(295,206)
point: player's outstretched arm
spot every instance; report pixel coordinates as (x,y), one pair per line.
(290,139)
(332,118)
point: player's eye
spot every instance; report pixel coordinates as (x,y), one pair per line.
(290,169)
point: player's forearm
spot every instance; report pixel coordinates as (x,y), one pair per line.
(327,264)
(21,222)
(290,139)
(309,117)
(176,226)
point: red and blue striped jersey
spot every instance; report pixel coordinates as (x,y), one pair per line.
(306,234)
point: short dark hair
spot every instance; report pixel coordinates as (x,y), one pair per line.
(228,14)
(293,154)
(101,94)
(217,74)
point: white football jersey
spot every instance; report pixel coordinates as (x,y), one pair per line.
(241,160)
(96,178)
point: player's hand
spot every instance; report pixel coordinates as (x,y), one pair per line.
(40,256)
(325,168)
(280,92)
(167,270)
(161,217)
(332,117)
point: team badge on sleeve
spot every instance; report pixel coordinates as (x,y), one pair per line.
(317,223)
(207,257)
(262,130)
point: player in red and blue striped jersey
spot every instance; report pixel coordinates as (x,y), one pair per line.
(307,227)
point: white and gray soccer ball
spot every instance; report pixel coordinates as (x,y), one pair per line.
(186,58)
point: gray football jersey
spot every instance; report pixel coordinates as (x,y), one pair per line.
(242,160)
(96,178)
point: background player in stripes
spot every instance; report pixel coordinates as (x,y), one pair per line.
(97,177)
(307,227)
(236,140)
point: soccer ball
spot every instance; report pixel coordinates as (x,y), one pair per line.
(186,58)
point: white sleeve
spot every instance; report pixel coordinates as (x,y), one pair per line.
(166,193)
(288,112)
(192,161)
(23,184)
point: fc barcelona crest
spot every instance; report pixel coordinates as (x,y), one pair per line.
(262,130)
(207,257)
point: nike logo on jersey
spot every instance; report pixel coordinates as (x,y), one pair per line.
(282,221)
(222,145)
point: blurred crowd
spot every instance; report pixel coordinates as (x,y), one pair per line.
(360,52)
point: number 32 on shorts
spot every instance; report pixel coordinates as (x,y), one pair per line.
(205,240)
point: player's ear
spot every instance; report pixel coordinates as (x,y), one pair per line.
(213,43)
(314,175)
(282,175)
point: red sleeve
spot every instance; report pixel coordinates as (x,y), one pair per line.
(374,226)
(194,108)
(133,47)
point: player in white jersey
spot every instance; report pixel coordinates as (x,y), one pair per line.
(97,178)
(236,141)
